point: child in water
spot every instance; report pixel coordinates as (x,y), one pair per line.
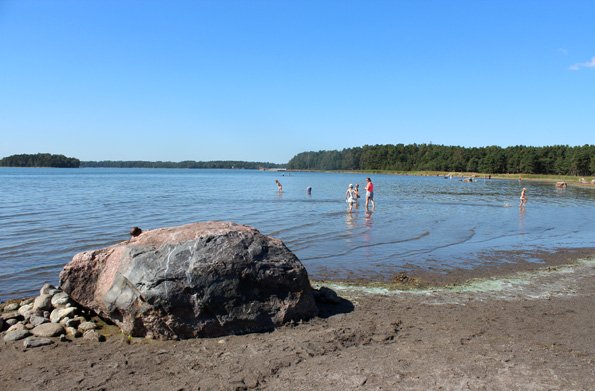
(279,185)
(350,196)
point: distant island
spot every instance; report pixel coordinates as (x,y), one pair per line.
(40,160)
(230,164)
(550,160)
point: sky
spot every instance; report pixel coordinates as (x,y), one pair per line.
(263,81)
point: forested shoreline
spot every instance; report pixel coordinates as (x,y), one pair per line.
(551,160)
(230,164)
(40,160)
(548,160)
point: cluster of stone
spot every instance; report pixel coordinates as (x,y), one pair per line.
(46,318)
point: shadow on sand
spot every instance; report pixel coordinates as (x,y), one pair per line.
(329,303)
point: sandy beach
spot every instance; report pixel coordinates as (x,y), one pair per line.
(531,329)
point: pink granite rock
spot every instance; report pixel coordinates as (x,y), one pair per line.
(201,279)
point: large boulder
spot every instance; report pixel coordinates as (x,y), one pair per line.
(197,280)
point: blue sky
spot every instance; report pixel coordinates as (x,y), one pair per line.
(265,80)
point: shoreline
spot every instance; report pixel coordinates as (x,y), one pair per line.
(525,330)
(570,180)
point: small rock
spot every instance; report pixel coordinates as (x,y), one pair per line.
(17,326)
(46,288)
(60,313)
(86,326)
(43,303)
(93,335)
(11,307)
(73,332)
(60,300)
(326,295)
(10,315)
(15,335)
(67,322)
(36,320)
(32,342)
(63,338)
(12,321)
(27,301)
(48,330)
(26,310)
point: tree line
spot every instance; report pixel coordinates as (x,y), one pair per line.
(39,160)
(184,164)
(554,160)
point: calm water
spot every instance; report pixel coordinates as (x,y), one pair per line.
(48,215)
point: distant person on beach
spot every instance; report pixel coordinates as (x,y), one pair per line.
(523,198)
(370,194)
(279,185)
(350,196)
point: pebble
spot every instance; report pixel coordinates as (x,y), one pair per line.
(36,320)
(93,335)
(60,313)
(12,321)
(73,332)
(27,301)
(60,299)
(86,326)
(43,303)
(15,335)
(67,322)
(17,326)
(25,310)
(48,330)
(46,289)
(10,315)
(32,342)
(11,307)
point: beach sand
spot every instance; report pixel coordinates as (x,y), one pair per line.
(525,329)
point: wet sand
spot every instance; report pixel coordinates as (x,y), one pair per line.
(527,328)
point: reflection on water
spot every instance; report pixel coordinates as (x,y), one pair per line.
(48,215)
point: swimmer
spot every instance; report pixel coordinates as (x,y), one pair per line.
(350,196)
(523,198)
(279,185)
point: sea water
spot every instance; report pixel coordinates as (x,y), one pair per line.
(434,223)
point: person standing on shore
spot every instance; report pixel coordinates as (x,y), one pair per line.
(523,198)
(370,194)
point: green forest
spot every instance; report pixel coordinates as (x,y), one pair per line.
(184,164)
(551,160)
(39,160)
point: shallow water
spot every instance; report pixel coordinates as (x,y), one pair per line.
(48,215)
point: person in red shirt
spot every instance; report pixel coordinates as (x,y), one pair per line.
(370,194)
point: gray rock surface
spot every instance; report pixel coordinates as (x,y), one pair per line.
(202,279)
(16,335)
(10,315)
(60,313)
(60,300)
(33,342)
(17,326)
(47,289)
(36,320)
(11,307)
(43,303)
(87,326)
(48,330)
